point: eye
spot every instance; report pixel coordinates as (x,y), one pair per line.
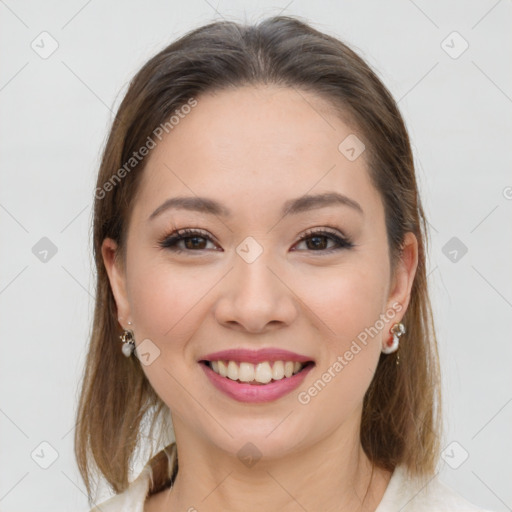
(319,240)
(193,240)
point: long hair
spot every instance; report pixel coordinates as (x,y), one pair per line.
(401,418)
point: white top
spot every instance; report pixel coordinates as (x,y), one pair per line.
(402,494)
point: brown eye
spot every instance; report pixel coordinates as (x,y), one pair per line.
(318,241)
(193,241)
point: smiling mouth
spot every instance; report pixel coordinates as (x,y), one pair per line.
(261,373)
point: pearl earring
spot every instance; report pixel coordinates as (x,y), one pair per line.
(392,345)
(128,342)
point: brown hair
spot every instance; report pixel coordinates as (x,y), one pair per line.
(401,419)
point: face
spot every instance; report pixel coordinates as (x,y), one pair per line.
(262,270)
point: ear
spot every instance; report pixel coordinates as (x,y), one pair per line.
(117,277)
(402,280)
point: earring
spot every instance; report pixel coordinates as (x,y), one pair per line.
(392,345)
(128,342)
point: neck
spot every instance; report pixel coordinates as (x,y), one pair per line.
(331,475)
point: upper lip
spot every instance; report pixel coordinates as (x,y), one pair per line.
(255,356)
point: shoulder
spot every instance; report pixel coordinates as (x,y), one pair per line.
(132,499)
(411,494)
(156,475)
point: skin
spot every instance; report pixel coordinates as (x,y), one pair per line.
(252,149)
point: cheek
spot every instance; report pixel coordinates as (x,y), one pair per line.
(165,300)
(350,309)
(347,300)
(166,303)
(348,303)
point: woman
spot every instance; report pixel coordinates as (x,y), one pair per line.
(260,248)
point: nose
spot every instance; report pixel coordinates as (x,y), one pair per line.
(256,298)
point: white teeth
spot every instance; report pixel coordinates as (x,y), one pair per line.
(278,370)
(223,370)
(262,372)
(246,372)
(288,369)
(232,370)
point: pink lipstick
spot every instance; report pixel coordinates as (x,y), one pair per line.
(256,375)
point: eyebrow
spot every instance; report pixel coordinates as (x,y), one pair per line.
(291,207)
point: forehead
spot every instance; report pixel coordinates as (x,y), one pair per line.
(256,146)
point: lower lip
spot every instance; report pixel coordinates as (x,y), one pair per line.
(256,392)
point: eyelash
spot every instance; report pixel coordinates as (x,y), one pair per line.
(170,242)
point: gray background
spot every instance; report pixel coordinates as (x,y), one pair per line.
(55,115)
